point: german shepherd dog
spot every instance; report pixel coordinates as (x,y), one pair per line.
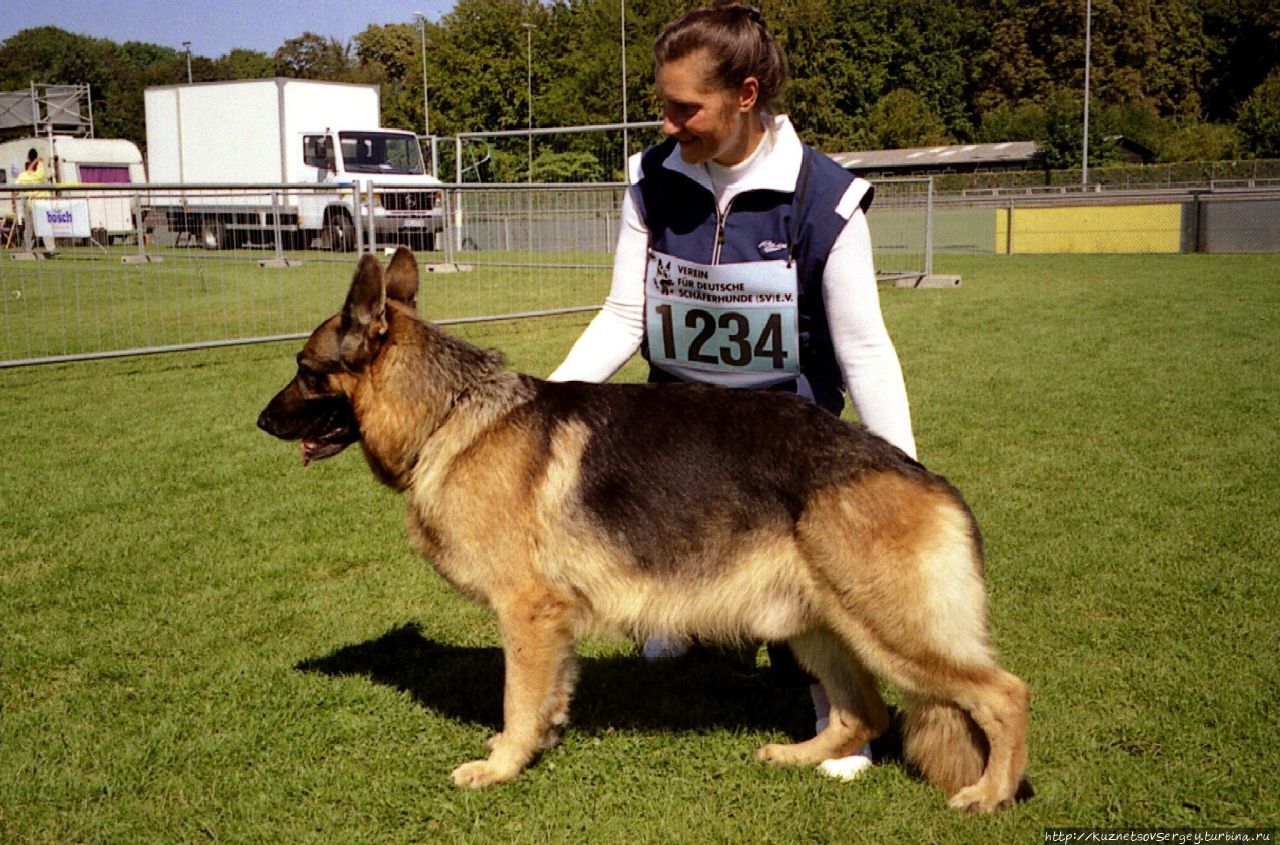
(726,515)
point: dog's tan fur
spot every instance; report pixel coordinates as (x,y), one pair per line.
(878,572)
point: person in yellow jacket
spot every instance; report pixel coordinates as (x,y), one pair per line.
(34,174)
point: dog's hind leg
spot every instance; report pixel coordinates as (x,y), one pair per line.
(858,713)
(537,643)
(910,600)
(999,703)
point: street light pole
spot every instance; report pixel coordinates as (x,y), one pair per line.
(187,45)
(529,28)
(623,41)
(426,98)
(1088,49)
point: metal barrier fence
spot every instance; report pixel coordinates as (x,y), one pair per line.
(595,153)
(1213,220)
(104,271)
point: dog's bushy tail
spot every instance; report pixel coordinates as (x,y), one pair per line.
(942,743)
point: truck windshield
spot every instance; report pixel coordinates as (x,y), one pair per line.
(378,152)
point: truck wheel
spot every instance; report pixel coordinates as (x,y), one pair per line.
(213,235)
(339,234)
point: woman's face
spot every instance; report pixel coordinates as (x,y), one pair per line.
(710,123)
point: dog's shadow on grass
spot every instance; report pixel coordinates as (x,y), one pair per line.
(703,690)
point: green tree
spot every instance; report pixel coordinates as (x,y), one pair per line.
(1056,123)
(311,56)
(1244,47)
(552,166)
(1197,141)
(481,53)
(1176,78)
(391,56)
(1027,121)
(244,64)
(49,54)
(903,119)
(1259,120)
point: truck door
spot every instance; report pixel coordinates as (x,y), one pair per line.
(317,152)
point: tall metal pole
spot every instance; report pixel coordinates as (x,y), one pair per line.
(426,97)
(623,40)
(1088,49)
(529,28)
(187,45)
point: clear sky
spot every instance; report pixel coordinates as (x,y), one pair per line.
(214,27)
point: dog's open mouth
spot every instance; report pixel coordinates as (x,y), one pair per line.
(324,447)
(330,433)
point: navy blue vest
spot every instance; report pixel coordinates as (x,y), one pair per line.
(682,221)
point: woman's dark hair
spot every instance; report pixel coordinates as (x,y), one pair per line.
(735,36)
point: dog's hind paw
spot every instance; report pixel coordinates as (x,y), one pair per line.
(978,799)
(481,773)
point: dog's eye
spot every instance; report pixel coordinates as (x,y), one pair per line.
(311,380)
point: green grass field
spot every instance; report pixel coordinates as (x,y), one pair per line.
(204,642)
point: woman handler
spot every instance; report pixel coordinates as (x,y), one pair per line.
(744,257)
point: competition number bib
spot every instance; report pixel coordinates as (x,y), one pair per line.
(730,323)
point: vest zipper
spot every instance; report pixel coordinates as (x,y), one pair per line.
(720,221)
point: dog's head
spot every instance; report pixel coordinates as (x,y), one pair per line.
(317,406)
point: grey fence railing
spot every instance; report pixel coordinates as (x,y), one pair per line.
(103,271)
(1218,219)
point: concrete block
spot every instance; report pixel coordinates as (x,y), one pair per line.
(928,282)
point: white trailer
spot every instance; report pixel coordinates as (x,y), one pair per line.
(82,163)
(285,132)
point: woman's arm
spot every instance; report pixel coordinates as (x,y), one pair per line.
(614,335)
(863,349)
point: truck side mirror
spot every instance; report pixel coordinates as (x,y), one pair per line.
(317,152)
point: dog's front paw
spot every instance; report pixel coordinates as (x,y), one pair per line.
(778,754)
(481,773)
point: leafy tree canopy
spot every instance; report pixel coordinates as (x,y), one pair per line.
(1185,77)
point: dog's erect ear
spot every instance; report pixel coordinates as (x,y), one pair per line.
(402,277)
(364,316)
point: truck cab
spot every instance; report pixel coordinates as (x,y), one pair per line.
(389,162)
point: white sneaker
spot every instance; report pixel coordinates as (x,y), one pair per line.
(848,768)
(665,647)
(840,768)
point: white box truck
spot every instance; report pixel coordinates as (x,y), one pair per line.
(80,164)
(284,132)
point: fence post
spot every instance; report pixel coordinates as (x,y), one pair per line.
(1197,223)
(275,226)
(458,234)
(1008,230)
(373,229)
(29,230)
(928,230)
(357,215)
(140,231)
(444,229)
